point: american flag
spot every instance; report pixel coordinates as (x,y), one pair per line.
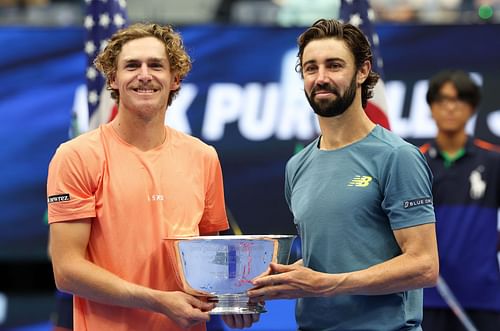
(102,19)
(360,14)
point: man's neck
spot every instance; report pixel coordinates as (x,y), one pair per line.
(451,143)
(145,134)
(345,129)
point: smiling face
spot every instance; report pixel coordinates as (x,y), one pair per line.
(143,76)
(330,76)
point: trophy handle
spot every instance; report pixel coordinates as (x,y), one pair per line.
(174,255)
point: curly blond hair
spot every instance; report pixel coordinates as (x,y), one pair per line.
(180,62)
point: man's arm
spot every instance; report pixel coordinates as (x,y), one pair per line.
(75,274)
(416,267)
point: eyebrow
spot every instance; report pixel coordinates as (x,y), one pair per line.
(151,59)
(329,60)
(308,62)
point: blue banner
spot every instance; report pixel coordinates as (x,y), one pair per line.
(243,96)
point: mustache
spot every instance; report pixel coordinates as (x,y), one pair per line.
(325,87)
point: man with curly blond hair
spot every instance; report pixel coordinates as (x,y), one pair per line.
(115,192)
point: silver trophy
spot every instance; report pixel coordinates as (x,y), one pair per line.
(221,267)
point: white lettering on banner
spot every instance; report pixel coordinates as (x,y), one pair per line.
(259,108)
(280,110)
(297,120)
(419,123)
(223,106)
(258,111)
(422,124)
(177,112)
(395,92)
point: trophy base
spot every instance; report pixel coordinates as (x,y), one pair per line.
(229,304)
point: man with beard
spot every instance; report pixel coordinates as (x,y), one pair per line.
(361,199)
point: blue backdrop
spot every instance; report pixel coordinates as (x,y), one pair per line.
(242,96)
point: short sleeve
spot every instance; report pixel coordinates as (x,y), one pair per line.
(70,187)
(407,188)
(214,215)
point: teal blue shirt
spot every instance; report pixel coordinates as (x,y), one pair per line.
(346,204)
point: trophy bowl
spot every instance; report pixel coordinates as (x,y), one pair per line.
(221,268)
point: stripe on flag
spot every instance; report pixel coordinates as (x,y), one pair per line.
(102,19)
(360,14)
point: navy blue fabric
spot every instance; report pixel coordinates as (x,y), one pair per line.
(466,225)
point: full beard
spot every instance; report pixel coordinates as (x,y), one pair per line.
(331,108)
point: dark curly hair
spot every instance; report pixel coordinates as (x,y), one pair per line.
(355,41)
(180,62)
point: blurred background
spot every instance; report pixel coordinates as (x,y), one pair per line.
(242,96)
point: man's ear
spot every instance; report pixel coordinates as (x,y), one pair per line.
(176,83)
(112,83)
(363,72)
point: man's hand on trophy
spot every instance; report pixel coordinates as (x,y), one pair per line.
(289,282)
(184,309)
(240,321)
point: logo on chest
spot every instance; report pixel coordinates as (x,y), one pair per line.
(360,181)
(156,197)
(477,183)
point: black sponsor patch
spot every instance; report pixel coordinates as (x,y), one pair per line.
(417,202)
(58,198)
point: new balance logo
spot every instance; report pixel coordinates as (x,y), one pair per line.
(360,181)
